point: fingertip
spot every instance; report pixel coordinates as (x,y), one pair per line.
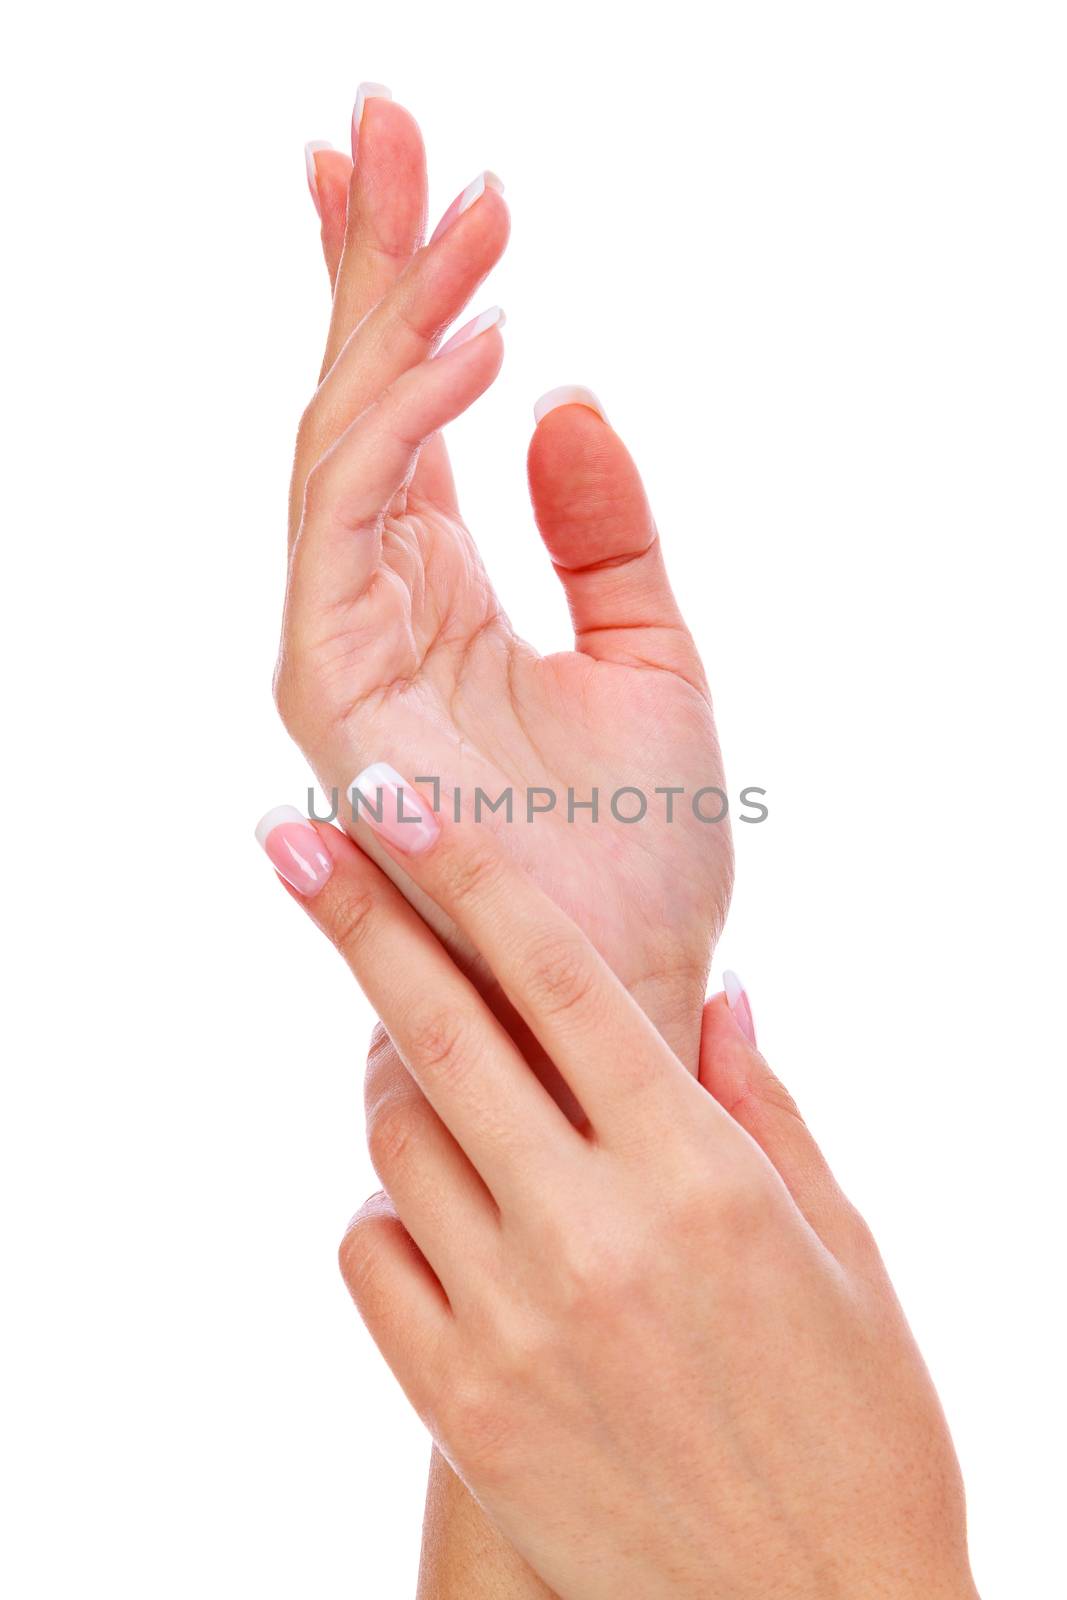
(725,1053)
(494,317)
(739,1004)
(311,152)
(329,173)
(588,498)
(387,177)
(367,92)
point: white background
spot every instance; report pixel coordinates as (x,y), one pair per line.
(812,258)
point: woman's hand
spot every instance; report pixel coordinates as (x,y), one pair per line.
(662,1351)
(394,639)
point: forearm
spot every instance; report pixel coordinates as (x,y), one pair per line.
(463,1556)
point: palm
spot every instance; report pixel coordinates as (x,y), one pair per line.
(424,669)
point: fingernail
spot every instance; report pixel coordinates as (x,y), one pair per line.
(395,811)
(493,318)
(310,152)
(295,849)
(737,1000)
(464,201)
(365,92)
(568,394)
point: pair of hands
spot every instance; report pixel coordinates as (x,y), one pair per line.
(666,1358)
(660,1347)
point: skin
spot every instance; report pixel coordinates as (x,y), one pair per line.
(395,646)
(660,1348)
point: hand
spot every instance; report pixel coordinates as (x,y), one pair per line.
(663,1354)
(394,641)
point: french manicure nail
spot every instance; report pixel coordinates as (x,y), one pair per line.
(464,201)
(493,318)
(568,394)
(737,1000)
(295,849)
(365,92)
(310,152)
(395,811)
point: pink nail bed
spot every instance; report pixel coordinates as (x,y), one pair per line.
(295,849)
(395,811)
(737,1000)
(464,201)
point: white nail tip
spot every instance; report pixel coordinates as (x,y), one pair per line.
(733,988)
(365,92)
(488,319)
(275,818)
(475,190)
(311,150)
(568,394)
(379,775)
(471,193)
(492,318)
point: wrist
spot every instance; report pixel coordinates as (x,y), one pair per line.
(674,1002)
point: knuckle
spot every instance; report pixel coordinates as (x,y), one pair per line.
(597,1276)
(481,1427)
(741,1202)
(389,1134)
(386,1075)
(559,975)
(407,319)
(690,1204)
(359,1253)
(470,874)
(381,1051)
(352,914)
(438,1046)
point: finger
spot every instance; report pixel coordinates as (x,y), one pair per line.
(398,1297)
(385,216)
(515,1136)
(591,509)
(402,329)
(338,546)
(616,1064)
(438,1195)
(734,1072)
(329,174)
(433,483)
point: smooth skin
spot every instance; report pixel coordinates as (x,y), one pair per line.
(394,640)
(662,1349)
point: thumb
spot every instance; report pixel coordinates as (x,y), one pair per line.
(591,509)
(736,1075)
